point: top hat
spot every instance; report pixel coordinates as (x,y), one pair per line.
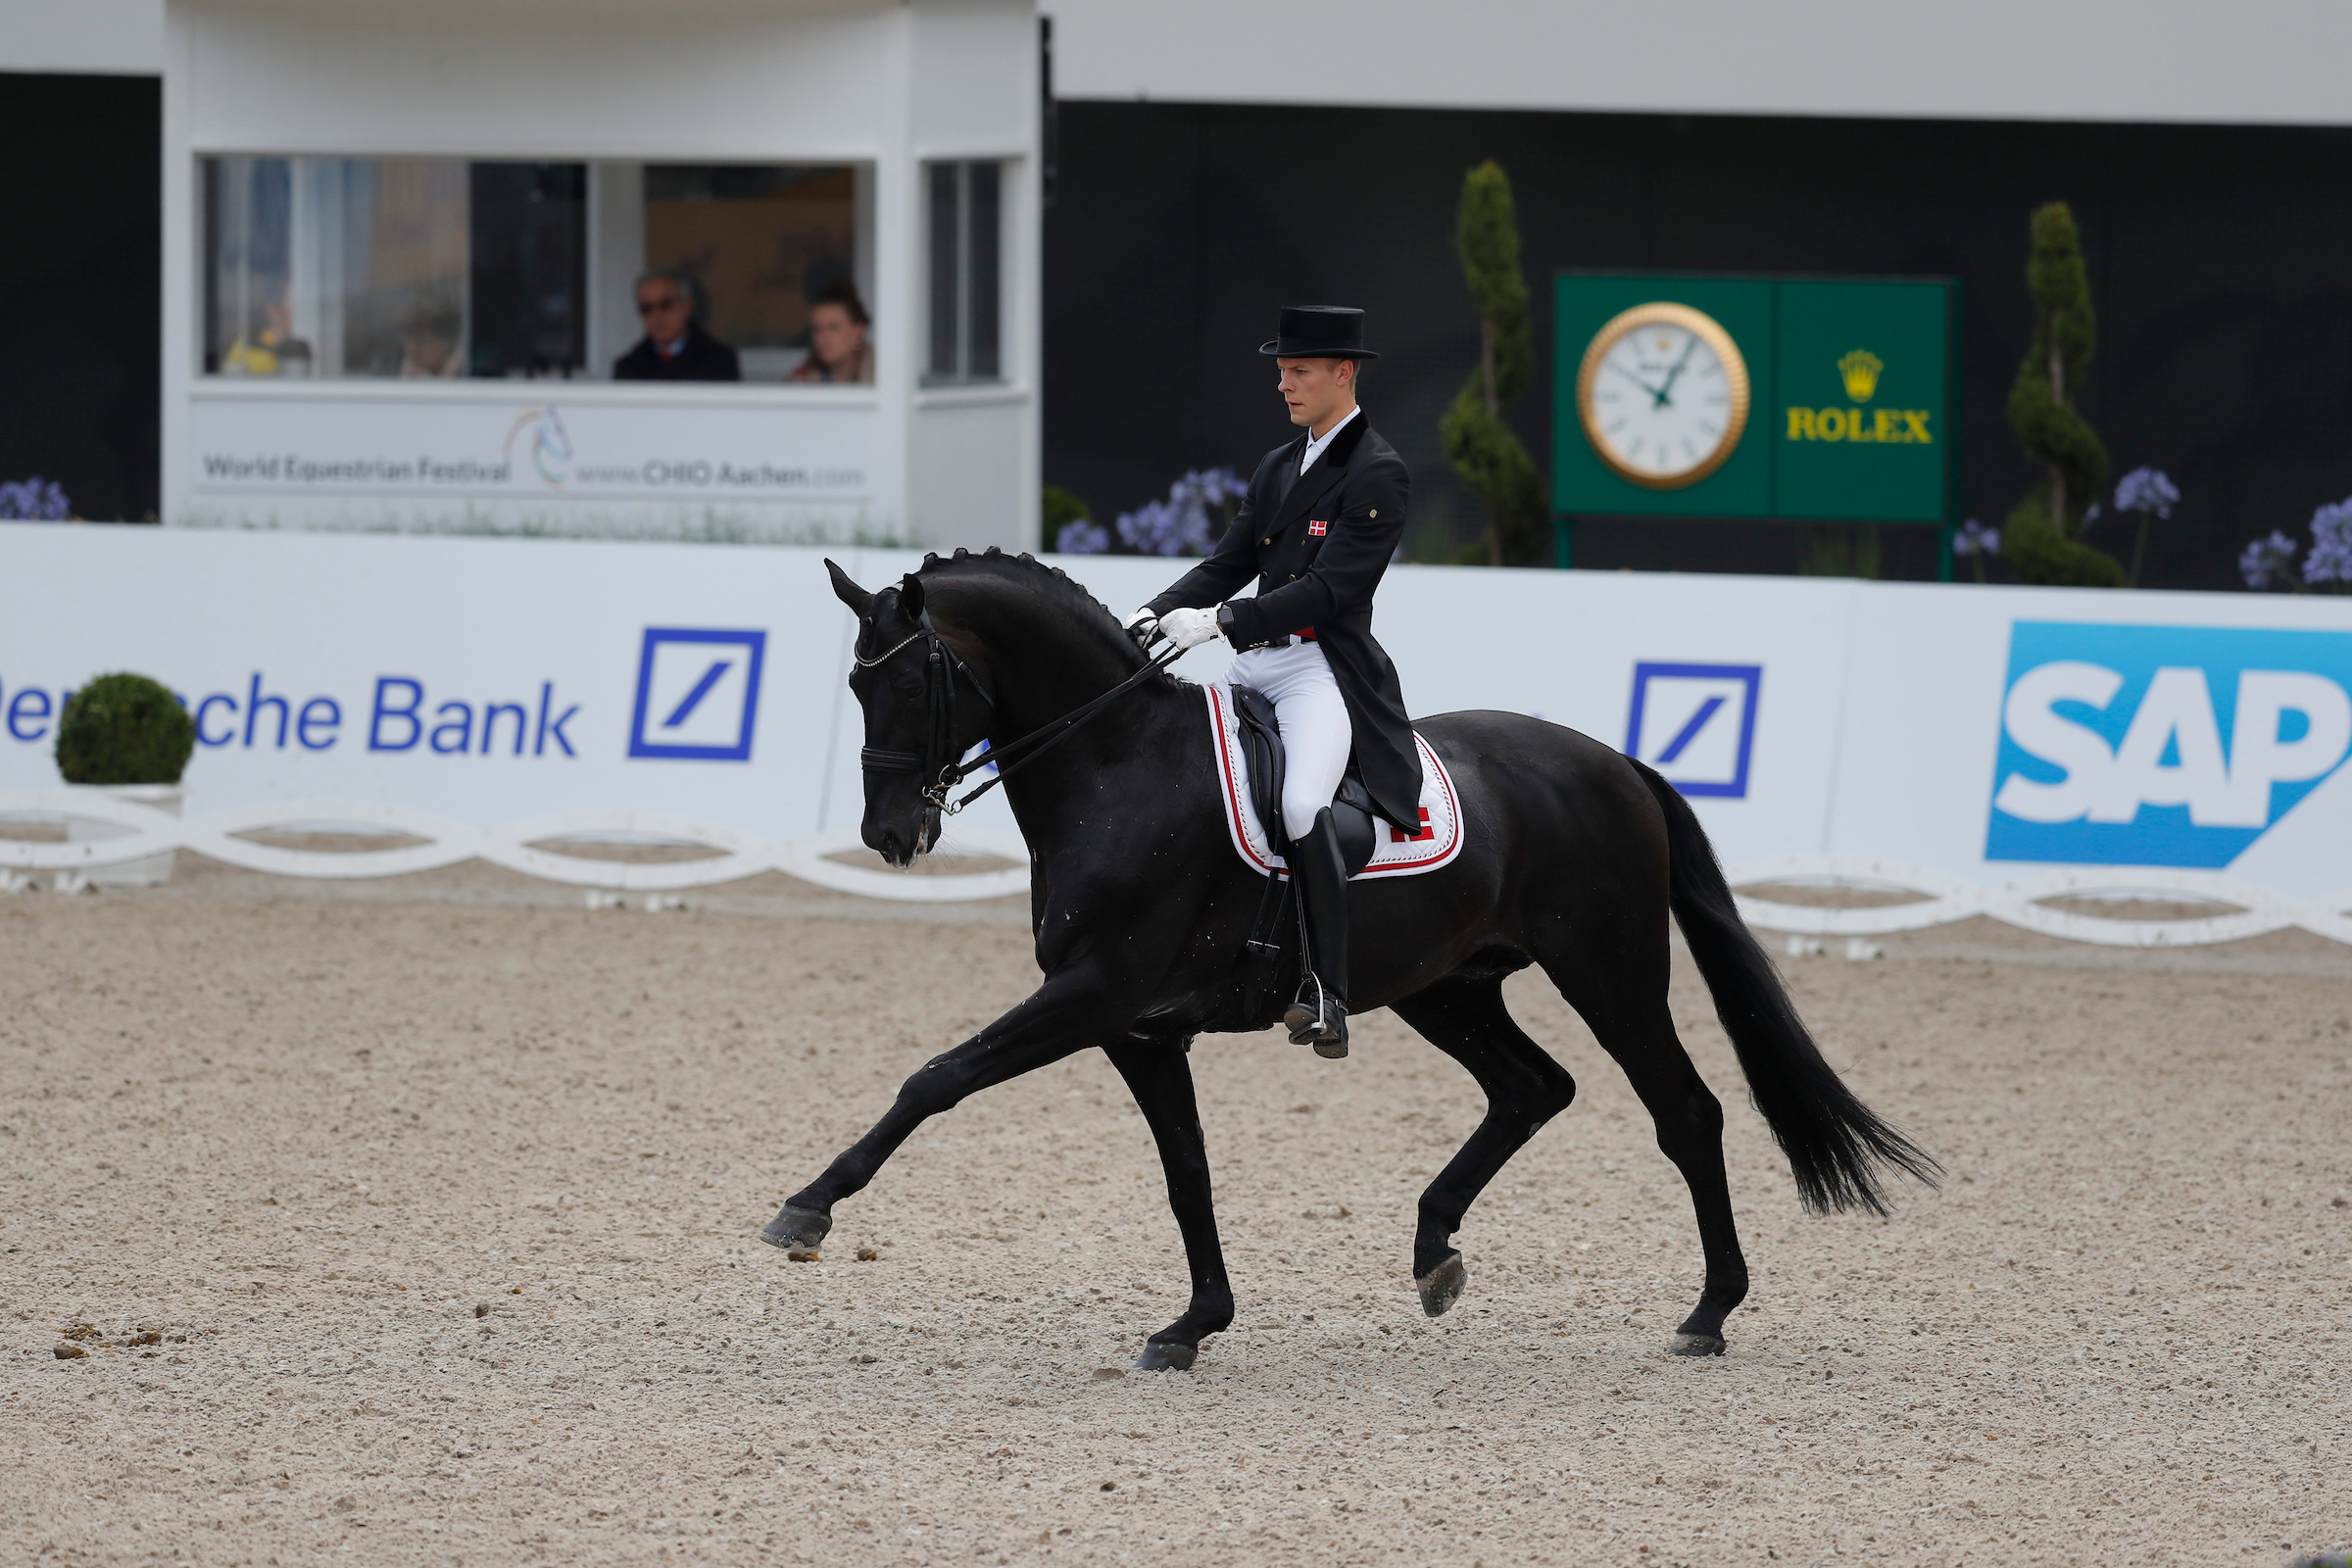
(1320,333)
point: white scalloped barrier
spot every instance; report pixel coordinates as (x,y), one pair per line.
(508,845)
(2256,910)
(1941,898)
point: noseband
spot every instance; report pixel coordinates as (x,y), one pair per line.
(939,760)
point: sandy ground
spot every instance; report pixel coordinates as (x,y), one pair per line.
(440,1197)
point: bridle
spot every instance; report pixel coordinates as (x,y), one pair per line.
(939,760)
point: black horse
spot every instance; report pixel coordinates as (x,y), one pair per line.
(1574,854)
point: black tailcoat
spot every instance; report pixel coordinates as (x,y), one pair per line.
(1318,544)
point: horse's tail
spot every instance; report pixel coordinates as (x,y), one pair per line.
(1835,1142)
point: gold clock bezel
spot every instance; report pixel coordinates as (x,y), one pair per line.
(1708,331)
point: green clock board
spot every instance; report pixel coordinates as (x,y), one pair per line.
(1797,399)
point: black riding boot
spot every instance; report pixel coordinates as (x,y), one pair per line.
(1320,1017)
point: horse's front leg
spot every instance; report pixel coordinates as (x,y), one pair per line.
(1161,1076)
(1072,1011)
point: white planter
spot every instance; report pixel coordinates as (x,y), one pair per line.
(148,870)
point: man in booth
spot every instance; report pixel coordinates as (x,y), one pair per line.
(674,348)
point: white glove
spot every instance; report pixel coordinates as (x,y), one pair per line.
(1189,629)
(1141,625)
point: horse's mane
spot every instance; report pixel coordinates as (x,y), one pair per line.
(1060,593)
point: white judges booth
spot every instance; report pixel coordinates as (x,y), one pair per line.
(401,244)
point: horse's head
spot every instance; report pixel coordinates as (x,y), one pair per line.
(922,713)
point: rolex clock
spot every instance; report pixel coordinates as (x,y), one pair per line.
(1662,395)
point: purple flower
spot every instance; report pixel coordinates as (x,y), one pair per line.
(33,500)
(2331,558)
(1163,528)
(1974,539)
(1216,486)
(2269,563)
(2090,516)
(2146,490)
(1183,524)
(1082,537)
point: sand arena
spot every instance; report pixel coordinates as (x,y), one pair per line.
(413,1223)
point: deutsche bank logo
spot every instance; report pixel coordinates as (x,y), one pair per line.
(2162,745)
(1696,724)
(698,694)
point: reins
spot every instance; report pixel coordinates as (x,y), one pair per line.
(941,665)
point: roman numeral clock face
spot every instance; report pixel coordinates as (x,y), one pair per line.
(1662,395)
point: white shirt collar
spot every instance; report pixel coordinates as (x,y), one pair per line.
(1315,444)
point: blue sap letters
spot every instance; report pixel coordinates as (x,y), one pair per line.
(2162,745)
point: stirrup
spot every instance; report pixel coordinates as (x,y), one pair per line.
(1321,1022)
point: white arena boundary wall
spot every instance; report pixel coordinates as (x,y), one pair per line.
(1983,751)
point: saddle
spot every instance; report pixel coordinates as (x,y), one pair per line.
(1261,747)
(1267,952)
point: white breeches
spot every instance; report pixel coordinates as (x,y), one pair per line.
(1315,733)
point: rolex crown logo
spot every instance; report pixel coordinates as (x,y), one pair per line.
(1861,372)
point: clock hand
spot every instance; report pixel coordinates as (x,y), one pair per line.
(1688,350)
(1636,380)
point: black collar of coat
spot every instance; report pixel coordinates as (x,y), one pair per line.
(1329,469)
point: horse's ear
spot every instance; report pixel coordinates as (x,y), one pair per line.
(910,596)
(849,593)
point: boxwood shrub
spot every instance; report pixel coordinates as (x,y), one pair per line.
(123,729)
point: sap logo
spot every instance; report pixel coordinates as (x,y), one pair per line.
(1696,724)
(698,694)
(2162,745)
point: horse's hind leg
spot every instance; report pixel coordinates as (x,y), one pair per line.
(1623,1000)
(1525,1088)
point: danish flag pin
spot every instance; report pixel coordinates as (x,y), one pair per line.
(1318,529)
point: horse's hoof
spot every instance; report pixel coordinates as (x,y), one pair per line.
(1159,1357)
(797,1230)
(1695,1344)
(1442,1285)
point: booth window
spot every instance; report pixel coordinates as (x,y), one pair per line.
(393,266)
(965,223)
(759,243)
(450,268)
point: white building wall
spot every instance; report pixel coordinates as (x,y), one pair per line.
(93,38)
(973,453)
(2259,62)
(880,84)
(2255,62)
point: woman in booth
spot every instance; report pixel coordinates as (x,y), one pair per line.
(838,350)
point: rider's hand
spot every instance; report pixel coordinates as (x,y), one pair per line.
(1142,627)
(1189,629)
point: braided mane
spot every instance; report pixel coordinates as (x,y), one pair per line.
(1058,591)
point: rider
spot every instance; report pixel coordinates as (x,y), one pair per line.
(1317,529)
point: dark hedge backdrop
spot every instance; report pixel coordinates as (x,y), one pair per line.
(81,287)
(2221,260)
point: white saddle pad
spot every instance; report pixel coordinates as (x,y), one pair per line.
(1395,854)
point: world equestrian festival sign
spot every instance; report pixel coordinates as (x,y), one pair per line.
(1804,399)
